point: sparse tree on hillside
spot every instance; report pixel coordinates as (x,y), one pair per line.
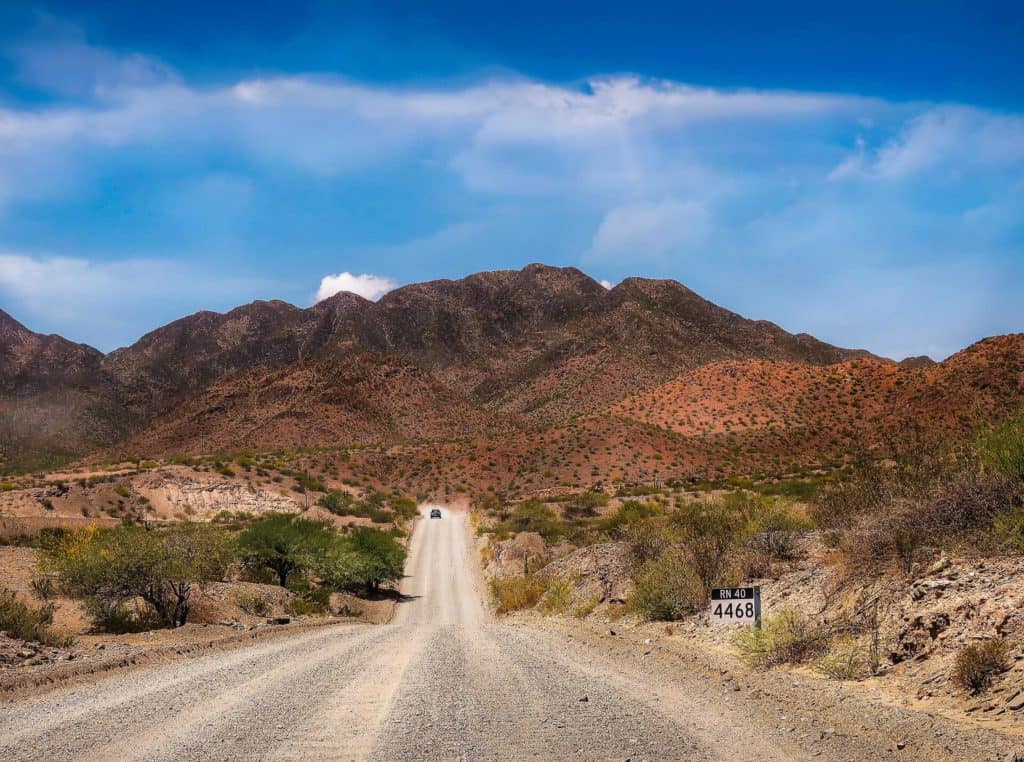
(285,543)
(161,566)
(378,557)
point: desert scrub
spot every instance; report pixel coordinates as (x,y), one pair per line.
(786,638)
(1009,529)
(110,568)
(848,658)
(977,664)
(21,621)
(314,602)
(965,497)
(252,603)
(517,593)
(559,597)
(668,587)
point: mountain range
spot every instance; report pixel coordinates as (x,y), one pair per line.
(496,357)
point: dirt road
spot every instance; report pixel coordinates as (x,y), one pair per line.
(445,681)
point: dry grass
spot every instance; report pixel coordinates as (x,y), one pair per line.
(977,664)
(787,638)
(517,593)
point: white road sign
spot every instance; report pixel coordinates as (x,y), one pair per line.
(739,605)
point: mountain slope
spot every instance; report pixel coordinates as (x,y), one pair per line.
(506,351)
(54,397)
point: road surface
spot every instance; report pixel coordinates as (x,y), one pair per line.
(443,681)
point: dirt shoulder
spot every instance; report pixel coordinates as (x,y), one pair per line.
(835,720)
(96,655)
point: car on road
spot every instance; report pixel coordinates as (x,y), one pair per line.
(435,513)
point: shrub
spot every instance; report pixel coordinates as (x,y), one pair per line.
(1008,526)
(110,567)
(787,638)
(336,501)
(710,533)
(586,503)
(930,498)
(848,659)
(977,664)
(44,588)
(775,530)
(668,587)
(21,621)
(285,543)
(313,602)
(1001,448)
(533,516)
(558,598)
(253,603)
(647,540)
(516,593)
(310,483)
(629,513)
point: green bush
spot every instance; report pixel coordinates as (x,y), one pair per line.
(1008,526)
(558,598)
(977,664)
(367,557)
(787,638)
(311,483)
(847,659)
(668,588)
(628,513)
(1001,448)
(336,501)
(21,621)
(379,558)
(285,543)
(311,603)
(109,567)
(533,516)
(586,503)
(957,497)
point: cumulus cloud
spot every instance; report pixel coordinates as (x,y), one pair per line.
(368,286)
(646,230)
(607,284)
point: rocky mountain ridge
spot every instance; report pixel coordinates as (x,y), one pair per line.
(495,353)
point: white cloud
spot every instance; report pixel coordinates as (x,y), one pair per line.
(501,135)
(607,284)
(646,230)
(959,138)
(371,287)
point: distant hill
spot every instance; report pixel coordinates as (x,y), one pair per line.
(494,355)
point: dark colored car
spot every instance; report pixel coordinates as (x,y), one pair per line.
(435,513)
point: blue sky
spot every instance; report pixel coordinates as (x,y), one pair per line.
(853,171)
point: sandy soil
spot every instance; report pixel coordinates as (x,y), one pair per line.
(445,680)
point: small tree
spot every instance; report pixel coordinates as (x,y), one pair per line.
(112,566)
(376,556)
(285,543)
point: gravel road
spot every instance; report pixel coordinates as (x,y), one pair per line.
(442,681)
